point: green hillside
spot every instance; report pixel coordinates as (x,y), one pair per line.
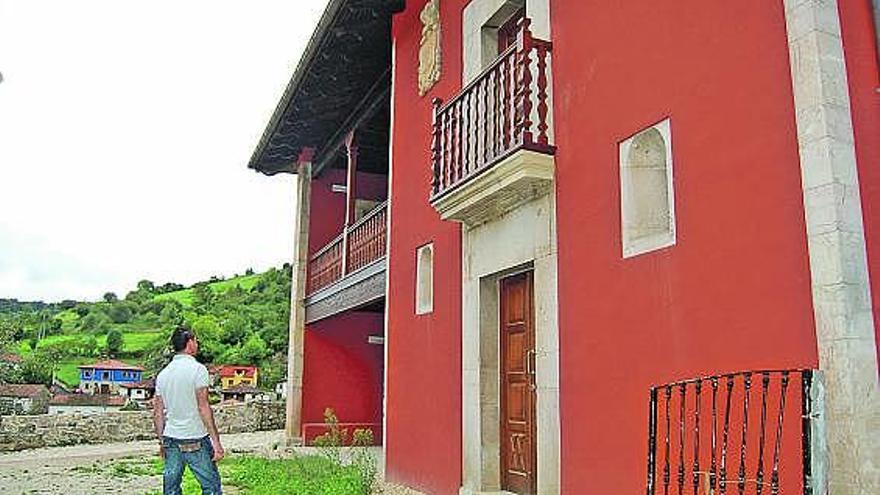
(241,320)
(185,296)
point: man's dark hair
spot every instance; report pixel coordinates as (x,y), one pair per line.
(180,337)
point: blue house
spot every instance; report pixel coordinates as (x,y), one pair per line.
(106,377)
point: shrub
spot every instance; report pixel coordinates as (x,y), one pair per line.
(114,343)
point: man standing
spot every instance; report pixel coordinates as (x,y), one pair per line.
(184,421)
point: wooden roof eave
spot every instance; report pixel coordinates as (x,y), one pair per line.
(315,42)
(320,37)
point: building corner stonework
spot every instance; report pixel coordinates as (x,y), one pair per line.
(836,244)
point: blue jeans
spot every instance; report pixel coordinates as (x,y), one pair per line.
(200,462)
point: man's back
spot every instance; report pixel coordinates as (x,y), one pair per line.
(177,385)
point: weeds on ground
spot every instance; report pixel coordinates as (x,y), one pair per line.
(343,466)
(356,459)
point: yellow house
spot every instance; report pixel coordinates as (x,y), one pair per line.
(233,376)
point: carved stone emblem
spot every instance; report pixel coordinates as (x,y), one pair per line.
(429,47)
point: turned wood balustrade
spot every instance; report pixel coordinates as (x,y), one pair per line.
(357,246)
(503,110)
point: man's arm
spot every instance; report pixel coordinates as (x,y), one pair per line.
(208,419)
(159,421)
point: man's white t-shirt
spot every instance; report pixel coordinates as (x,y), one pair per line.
(177,385)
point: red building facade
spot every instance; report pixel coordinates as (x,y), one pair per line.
(536,259)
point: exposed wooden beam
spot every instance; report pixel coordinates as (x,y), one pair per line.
(375,97)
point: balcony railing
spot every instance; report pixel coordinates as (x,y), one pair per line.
(503,110)
(357,246)
(740,433)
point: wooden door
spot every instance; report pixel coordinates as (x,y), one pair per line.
(518,449)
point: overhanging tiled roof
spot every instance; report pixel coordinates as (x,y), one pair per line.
(346,60)
(111,364)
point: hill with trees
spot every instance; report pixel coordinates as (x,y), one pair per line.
(241,320)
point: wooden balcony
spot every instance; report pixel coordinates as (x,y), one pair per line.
(491,146)
(350,270)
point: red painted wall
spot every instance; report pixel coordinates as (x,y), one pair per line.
(423,427)
(734,293)
(341,370)
(860,48)
(327,213)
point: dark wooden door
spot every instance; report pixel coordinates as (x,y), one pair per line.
(518,449)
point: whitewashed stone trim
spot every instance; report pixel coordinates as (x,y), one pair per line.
(425,279)
(296,342)
(836,243)
(642,239)
(520,239)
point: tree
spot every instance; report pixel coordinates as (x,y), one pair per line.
(120,312)
(254,350)
(169,287)
(95,322)
(67,304)
(36,368)
(172,313)
(7,332)
(203,297)
(110,297)
(207,331)
(146,286)
(235,330)
(115,343)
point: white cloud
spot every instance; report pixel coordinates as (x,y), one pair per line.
(125,130)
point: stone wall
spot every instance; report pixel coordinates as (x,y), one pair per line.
(22,405)
(29,432)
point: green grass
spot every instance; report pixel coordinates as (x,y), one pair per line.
(185,296)
(300,475)
(68,370)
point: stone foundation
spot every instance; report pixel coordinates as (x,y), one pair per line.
(31,432)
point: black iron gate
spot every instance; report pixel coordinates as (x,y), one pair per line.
(738,433)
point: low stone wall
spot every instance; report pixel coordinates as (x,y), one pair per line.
(55,430)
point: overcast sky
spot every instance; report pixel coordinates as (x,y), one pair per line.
(125,131)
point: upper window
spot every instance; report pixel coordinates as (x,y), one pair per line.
(488,28)
(646,191)
(425,279)
(508,32)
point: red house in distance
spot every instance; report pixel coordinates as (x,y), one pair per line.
(553,246)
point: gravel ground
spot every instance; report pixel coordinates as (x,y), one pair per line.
(77,470)
(83,469)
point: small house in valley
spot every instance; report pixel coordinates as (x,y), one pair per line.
(234,376)
(23,399)
(138,392)
(106,377)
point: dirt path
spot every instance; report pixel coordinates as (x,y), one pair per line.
(88,469)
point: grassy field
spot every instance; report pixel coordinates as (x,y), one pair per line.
(185,296)
(68,372)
